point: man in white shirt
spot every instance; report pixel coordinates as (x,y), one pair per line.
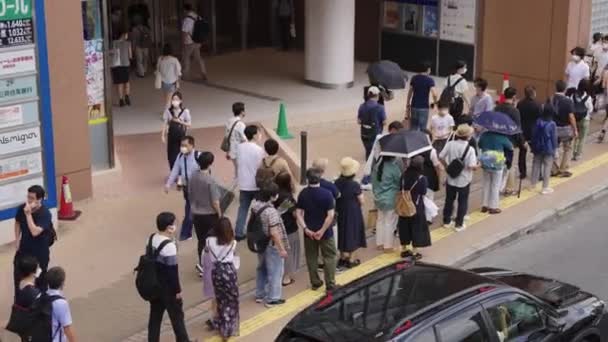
(235,132)
(576,70)
(192,49)
(458,187)
(249,156)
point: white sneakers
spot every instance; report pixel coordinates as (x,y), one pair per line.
(461,228)
(547,191)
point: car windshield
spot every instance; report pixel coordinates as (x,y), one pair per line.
(391,299)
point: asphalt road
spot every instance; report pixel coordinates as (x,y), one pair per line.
(573,250)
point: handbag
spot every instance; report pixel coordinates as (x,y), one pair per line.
(564,133)
(404,204)
(226,197)
(114,55)
(457,165)
(225,146)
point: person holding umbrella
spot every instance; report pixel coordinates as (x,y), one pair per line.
(495,145)
(508,107)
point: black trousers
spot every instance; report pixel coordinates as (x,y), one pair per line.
(175,308)
(285,28)
(203,227)
(173,146)
(368,144)
(43,262)
(452,194)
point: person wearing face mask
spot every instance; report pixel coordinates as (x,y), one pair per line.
(168,275)
(33,227)
(509,108)
(176,121)
(185,167)
(576,70)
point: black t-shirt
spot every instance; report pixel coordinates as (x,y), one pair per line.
(27,296)
(30,245)
(511,111)
(564,107)
(530,111)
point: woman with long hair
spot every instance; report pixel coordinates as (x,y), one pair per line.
(286,205)
(414,230)
(176,121)
(221,249)
(385,184)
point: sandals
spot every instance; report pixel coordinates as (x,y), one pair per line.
(354,263)
(407,254)
(417,256)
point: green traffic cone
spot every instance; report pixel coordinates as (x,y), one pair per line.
(282,130)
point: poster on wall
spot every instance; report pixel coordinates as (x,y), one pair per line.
(94,73)
(16,32)
(411,18)
(458,21)
(20,140)
(392,15)
(20,166)
(11,116)
(430,21)
(18,88)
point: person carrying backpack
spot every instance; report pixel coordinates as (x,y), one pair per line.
(583,107)
(460,161)
(168,293)
(371,117)
(194,33)
(141,36)
(544,147)
(272,165)
(267,237)
(414,230)
(455,89)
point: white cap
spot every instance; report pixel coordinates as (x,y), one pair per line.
(373,90)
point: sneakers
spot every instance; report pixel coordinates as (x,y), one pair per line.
(366,187)
(317,286)
(547,191)
(274,303)
(459,229)
(259,300)
(565,174)
(447,225)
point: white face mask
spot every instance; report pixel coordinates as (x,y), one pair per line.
(463,71)
(605,46)
(176,103)
(576,58)
(183,150)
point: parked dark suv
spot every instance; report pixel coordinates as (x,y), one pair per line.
(431,303)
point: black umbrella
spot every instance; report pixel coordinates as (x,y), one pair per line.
(404,144)
(388,74)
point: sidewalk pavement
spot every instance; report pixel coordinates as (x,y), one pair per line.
(520,216)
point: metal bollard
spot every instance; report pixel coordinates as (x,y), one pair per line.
(303,156)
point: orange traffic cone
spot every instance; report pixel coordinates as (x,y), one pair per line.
(66,207)
(505,85)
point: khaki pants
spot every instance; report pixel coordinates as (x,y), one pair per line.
(193,51)
(329,254)
(566,156)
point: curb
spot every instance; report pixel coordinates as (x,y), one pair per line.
(536,223)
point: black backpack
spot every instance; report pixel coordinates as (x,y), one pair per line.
(580,107)
(448,95)
(51,234)
(147,282)
(457,165)
(200,32)
(34,324)
(257,240)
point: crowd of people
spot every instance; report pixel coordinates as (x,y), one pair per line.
(327,214)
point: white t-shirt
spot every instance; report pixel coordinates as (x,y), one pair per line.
(169,251)
(601,57)
(441,126)
(576,72)
(248,160)
(238,134)
(462,86)
(454,150)
(188,27)
(225,252)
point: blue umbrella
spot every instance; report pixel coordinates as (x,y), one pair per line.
(497,122)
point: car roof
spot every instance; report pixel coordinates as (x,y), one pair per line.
(414,289)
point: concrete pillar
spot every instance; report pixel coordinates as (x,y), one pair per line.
(330,43)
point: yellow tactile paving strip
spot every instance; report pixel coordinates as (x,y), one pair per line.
(307,297)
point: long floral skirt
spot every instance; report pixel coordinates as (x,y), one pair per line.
(225,284)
